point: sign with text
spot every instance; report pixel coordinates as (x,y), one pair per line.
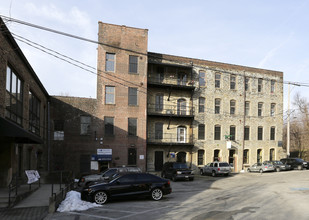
(32,175)
(104,151)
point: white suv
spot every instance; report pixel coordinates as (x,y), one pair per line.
(216,168)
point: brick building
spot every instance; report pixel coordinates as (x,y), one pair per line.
(23,113)
(152,108)
(201,111)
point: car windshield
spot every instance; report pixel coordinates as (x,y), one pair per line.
(180,166)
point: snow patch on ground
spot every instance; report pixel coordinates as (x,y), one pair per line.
(73,202)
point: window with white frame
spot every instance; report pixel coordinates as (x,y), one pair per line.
(233,82)
(109,95)
(217,80)
(110,62)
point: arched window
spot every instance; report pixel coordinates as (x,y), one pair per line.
(181,107)
(181,134)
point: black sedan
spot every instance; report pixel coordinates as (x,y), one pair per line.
(131,184)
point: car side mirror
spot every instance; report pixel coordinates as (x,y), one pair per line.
(106,178)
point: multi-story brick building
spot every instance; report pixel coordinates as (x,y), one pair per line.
(23,113)
(178,108)
(200,111)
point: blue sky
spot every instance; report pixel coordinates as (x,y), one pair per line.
(268,34)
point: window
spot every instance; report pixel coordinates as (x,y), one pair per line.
(181,107)
(217,106)
(246,83)
(158,131)
(85,122)
(272,133)
(159,102)
(58,130)
(272,109)
(108,126)
(272,86)
(247,108)
(260,109)
(217,80)
(13,97)
(201,131)
(34,114)
(160,74)
(132,96)
(132,126)
(201,105)
(109,95)
(232,107)
(181,134)
(217,132)
(200,157)
(202,80)
(232,133)
(182,79)
(133,64)
(260,133)
(260,85)
(216,157)
(247,133)
(110,62)
(233,81)
(246,156)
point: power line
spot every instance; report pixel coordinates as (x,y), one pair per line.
(144,54)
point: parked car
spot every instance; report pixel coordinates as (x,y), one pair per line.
(106,175)
(130,184)
(261,167)
(216,168)
(177,171)
(279,166)
(296,163)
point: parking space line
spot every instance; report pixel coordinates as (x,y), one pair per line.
(109,209)
(150,210)
(94,216)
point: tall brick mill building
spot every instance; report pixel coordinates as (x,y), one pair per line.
(152,108)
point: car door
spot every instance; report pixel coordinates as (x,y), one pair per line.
(142,184)
(124,185)
(209,168)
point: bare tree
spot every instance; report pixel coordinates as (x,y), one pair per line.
(299,127)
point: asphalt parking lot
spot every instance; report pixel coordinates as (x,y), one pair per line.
(282,195)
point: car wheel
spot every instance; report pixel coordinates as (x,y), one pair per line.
(201,172)
(226,174)
(156,194)
(100,197)
(277,169)
(213,173)
(261,171)
(248,170)
(299,167)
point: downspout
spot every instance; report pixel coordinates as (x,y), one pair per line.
(244,122)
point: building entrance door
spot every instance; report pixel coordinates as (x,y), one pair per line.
(132,156)
(158,160)
(181,157)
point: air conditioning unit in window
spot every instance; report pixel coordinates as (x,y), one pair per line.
(169,111)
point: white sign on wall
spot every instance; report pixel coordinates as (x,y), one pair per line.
(94,165)
(32,175)
(228,144)
(104,151)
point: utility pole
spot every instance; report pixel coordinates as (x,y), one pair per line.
(288,126)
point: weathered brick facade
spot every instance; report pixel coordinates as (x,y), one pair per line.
(21,147)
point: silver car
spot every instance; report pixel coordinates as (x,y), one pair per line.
(261,167)
(216,168)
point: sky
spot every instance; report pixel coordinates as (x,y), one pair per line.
(267,34)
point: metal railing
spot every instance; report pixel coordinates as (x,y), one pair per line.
(172,110)
(170,80)
(66,183)
(169,138)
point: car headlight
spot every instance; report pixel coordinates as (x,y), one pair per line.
(178,172)
(192,172)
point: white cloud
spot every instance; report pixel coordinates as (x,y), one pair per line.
(273,51)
